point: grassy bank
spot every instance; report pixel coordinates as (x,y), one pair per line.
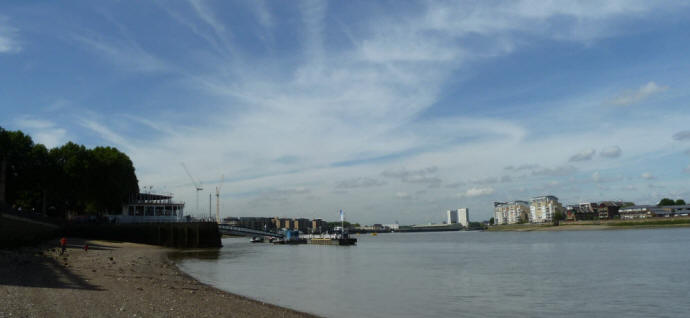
(654,222)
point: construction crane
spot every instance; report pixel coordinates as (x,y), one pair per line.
(222,179)
(197,185)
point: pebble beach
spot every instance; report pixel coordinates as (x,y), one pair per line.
(112,279)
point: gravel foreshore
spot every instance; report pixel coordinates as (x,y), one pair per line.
(112,279)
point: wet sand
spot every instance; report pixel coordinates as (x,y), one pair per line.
(112,279)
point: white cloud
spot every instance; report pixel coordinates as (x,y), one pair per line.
(635,96)
(596,176)
(611,152)
(477,192)
(362,109)
(43,131)
(8,37)
(585,155)
(403,195)
(648,176)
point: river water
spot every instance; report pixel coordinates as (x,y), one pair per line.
(620,273)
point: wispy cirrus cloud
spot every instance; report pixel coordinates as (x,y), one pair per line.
(125,53)
(9,35)
(43,131)
(638,95)
(359,183)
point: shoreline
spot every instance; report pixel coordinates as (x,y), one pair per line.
(579,227)
(113,279)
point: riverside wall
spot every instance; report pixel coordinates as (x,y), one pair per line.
(178,235)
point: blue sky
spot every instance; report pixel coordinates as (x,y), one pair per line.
(388,110)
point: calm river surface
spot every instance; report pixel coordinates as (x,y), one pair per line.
(622,273)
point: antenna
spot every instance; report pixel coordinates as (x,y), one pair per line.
(222,179)
(197,185)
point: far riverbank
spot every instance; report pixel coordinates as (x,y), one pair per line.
(113,279)
(596,225)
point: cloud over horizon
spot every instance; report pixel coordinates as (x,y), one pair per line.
(390,112)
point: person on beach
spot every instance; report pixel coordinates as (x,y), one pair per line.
(63,245)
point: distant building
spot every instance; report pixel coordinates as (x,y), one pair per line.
(251,222)
(464,216)
(452,216)
(302,225)
(459,216)
(571,212)
(608,209)
(393,227)
(319,226)
(650,211)
(542,209)
(148,207)
(511,212)
(282,223)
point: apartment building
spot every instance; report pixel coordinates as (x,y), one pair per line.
(543,208)
(511,212)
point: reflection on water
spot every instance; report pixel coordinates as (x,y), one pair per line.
(635,273)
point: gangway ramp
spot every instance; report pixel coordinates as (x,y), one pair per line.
(228,229)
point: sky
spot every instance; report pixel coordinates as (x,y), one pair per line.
(388,110)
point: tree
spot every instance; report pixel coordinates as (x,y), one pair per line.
(491,221)
(666,201)
(68,178)
(557,217)
(680,202)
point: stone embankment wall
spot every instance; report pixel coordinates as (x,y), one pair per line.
(178,235)
(17,231)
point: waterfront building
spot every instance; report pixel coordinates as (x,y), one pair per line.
(500,213)
(301,224)
(459,216)
(608,209)
(543,208)
(650,211)
(392,227)
(149,207)
(452,216)
(319,226)
(464,217)
(282,223)
(571,212)
(511,212)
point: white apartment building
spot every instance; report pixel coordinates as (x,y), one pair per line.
(542,209)
(510,212)
(452,216)
(459,216)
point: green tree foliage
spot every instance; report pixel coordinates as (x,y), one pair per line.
(332,225)
(491,221)
(680,202)
(558,217)
(67,178)
(666,201)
